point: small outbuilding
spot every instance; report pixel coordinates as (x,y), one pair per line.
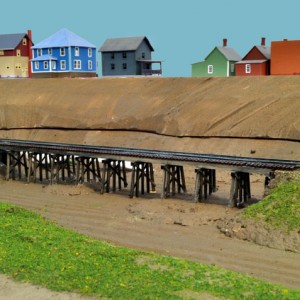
(255,62)
(285,57)
(219,62)
(64,54)
(129,56)
(15,54)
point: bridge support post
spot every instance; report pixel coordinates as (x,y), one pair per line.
(113,170)
(173,176)
(205,183)
(62,167)
(142,175)
(240,189)
(87,167)
(14,162)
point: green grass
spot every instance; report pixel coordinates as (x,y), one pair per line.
(280,209)
(36,250)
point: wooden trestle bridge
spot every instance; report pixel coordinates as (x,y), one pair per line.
(57,162)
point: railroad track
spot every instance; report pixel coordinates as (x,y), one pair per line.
(149,155)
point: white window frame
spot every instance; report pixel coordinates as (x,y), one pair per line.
(39,52)
(36,65)
(248,68)
(46,65)
(210,69)
(76,51)
(77,64)
(50,51)
(24,42)
(62,64)
(90,52)
(53,64)
(62,51)
(18,52)
(90,65)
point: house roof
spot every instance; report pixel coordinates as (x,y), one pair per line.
(44,57)
(124,44)
(266,51)
(257,61)
(63,38)
(10,41)
(229,53)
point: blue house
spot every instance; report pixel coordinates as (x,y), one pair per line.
(64,54)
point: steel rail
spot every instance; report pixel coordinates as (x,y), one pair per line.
(130,153)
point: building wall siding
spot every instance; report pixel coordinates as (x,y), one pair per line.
(69,58)
(118,62)
(254,54)
(217,60)
(285,58)
(257,69)
(13,66)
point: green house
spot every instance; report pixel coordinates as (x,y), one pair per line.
(219,62)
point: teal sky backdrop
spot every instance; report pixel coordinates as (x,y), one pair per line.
(181,32)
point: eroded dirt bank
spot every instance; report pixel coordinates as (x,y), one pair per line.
(250,116)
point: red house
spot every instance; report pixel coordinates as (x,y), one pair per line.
(256,61)
(285,57)
(15,54)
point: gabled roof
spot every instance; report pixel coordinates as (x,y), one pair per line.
(11,41)
(266,51)
(229,53)
(124,44)
(63,38)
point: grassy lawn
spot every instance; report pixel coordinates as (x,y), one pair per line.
(36,250)
(280,209)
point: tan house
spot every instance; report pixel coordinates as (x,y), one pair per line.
(15,54)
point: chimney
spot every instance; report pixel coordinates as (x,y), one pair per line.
(29,33)
(263,41)
(224,42)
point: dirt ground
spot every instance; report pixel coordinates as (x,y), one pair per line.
(174,226)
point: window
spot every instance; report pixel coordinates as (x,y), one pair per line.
(232,68)
(77,64)
(24,42)
(248,68)
(53,65)
(76,51)
(18,66)
(112,66)
(39,52)
(112,55)
(210,69)
(46,65)
(36,65)
(90,52)
(124,54)
(90,65)
(18,52)
(1,52)
(62,64)
(62,51)
(143,54)
(50,51)
(124,66)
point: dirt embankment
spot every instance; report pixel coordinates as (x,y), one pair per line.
(256,117)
